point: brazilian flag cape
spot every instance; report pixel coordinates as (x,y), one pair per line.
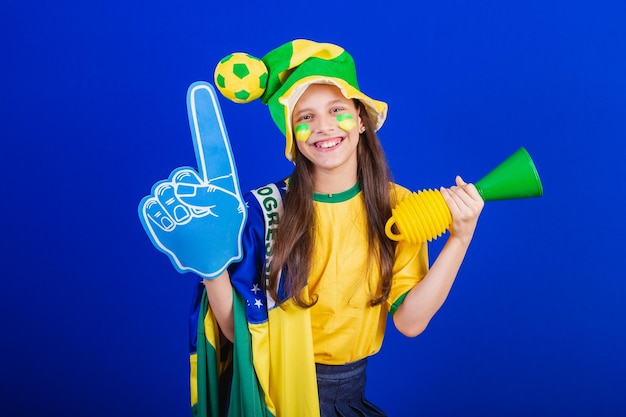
(269,370)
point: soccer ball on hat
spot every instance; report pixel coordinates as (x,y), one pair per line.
(241,77)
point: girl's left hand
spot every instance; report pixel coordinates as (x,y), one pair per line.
(465,205)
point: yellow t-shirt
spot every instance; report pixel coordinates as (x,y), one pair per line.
(345,326)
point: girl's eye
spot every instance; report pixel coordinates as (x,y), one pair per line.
(336,109)
(303,118)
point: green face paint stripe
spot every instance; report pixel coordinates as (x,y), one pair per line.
(303,126)
(346,121)
(302,132)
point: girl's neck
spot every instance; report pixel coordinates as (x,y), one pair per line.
(334,181)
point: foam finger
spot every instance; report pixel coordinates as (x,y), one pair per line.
(212,147)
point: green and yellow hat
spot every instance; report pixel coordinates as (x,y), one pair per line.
(280,78)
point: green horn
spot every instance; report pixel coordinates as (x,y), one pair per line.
(514,178)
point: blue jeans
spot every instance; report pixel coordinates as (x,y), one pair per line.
(342,391)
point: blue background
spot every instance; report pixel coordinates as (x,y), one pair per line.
(94,318)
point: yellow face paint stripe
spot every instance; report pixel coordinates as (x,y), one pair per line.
(346,121)
(303,132)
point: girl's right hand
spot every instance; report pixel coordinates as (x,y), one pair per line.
(465,204)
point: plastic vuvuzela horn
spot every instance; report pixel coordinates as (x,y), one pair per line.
(424,215)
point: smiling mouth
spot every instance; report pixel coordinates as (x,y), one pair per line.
(327,144)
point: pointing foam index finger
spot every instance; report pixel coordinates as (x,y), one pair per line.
(208,131)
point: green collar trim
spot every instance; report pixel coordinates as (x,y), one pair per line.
(338,197)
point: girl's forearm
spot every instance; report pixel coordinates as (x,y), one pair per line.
(425,299)
(220,295)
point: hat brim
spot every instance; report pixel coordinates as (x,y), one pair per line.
(377,110)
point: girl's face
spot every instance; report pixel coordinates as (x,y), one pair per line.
(326,127)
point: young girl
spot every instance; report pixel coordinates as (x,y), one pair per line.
(319,276)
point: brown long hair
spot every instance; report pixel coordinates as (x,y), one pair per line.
(293,246)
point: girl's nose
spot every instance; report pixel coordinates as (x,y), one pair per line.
(326,124)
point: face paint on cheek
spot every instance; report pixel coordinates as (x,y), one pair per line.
(303,132)
(346,122)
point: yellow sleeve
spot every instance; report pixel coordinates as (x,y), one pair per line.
(410,265)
